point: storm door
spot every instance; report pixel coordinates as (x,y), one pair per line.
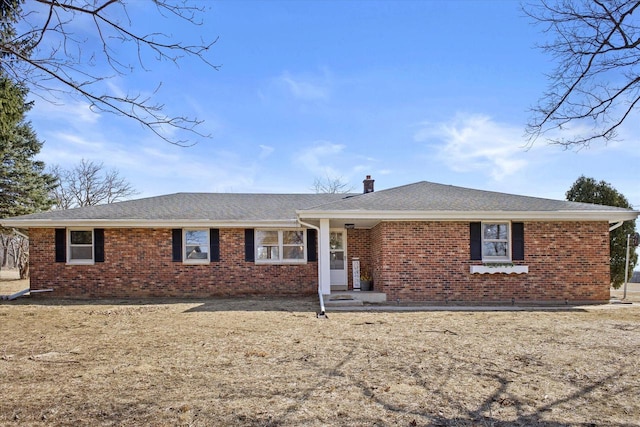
(338,259)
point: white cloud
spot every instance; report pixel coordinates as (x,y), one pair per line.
(67,149)
(319,158)
(328,160)
(73,112)
(306,88)
(161,169)
(265,151)
(476,143)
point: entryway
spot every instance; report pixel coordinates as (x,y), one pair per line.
(338,259)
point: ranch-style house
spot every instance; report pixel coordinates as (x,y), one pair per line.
(421,242)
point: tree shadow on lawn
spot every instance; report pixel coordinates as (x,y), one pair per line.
(485,413)
(440,406)
(482,415)
(286,304)
(313,305)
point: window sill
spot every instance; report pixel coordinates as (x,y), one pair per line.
(506,269)
(194,262)
(80,262)
(283,262)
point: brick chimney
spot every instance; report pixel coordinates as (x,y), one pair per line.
(368,184)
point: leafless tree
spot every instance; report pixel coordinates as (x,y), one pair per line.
(5,244)
(74,46)
(14,251)
(596,85)
(21,255)
(89,184)
(331,185)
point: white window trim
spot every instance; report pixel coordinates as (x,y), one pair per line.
(93,248)
(186,260)
(496,259)
(281,247)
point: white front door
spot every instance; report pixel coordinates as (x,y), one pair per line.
(338,259)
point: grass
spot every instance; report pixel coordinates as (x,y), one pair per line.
(262,362)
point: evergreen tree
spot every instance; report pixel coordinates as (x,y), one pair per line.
(587,190)
(24,186)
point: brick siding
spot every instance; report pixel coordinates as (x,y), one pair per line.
(358,245)
(430,262)
(138,263)
(409,261)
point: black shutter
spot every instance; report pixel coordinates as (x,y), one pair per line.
(176,244)
(98,244)
(61,245)
(214,244)
(312,253)
(475,240)
(249,242)
(517,241)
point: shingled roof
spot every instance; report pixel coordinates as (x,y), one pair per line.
(421,200)
(429,196)
(185,208)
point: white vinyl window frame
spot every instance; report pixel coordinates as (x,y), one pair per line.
(495,242)
(196,251)
(79,252)
(280,248)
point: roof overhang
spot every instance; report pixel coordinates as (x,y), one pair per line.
(364,219)
(568,215)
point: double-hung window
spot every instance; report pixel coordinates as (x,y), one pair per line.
(280,246)
(496,243)
(196,246)
(80,248)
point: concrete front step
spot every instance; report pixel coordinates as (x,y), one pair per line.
(354,298)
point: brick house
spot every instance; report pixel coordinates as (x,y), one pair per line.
(422,242)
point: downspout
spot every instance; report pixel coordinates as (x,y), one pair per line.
(322,310)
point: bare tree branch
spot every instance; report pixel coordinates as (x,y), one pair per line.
(40,47)
(89,184)
(331,185)
(596,83)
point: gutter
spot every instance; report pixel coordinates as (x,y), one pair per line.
(611,216)
(322,309)
(142,223)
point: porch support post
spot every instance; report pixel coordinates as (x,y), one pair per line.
(324,270)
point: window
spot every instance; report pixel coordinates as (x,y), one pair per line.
(495,241)
(80,248)
(280,246)
(196,246)
(293,245)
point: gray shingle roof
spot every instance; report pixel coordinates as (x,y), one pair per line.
(197,206)
(429,196)
(422,197)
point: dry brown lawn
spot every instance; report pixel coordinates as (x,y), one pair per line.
(257,362)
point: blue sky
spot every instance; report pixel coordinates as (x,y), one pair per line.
(404,91)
